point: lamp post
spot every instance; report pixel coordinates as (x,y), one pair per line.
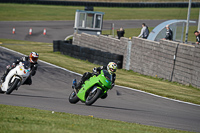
(188,19)
(199,21)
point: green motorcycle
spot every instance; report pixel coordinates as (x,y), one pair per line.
(92,89)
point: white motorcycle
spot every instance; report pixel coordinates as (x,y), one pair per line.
(16,77)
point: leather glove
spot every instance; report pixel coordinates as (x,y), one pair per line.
(23,58)
(113,84)
(8,66)
(94,70)
(13,65)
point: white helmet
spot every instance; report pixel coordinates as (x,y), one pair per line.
(112,67)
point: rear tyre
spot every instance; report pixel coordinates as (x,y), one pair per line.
(93,96)
(73,98)
(13,86)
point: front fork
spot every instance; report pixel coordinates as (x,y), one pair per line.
(16,77)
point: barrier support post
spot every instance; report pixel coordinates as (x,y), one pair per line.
(128,55)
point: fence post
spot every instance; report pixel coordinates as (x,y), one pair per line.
(128,55)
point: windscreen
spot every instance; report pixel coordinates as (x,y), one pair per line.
(26,64)
(107,75)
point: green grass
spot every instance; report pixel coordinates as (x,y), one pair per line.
(29,12)
(136,31)
(21,119)
(125,78)
(15,119)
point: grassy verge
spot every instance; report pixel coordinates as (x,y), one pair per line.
(29,12)
(136,31)
(22,119)
(125,78)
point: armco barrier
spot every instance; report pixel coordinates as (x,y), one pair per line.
(103,4)
(84,53)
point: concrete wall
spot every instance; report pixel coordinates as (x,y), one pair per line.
(187,65)
(165,59)
(153,58)
(103,43)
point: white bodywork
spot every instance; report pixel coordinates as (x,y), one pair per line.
(18,72)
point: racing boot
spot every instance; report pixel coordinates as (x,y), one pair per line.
(104,96)
(3,78)
(74,83)
(1,82)
(78,86)
(1,92)
(5,73)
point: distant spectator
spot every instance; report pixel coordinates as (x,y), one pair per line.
(144,31)
(120,33)
(169,33)
(197,34)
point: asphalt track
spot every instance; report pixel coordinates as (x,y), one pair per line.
(52,86)
(58,30)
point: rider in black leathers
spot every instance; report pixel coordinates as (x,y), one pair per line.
(111,67)
(32,59)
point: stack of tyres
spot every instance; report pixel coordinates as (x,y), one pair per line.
(56,45)
(92,55)
(75,52)
(118,59)
(65,48)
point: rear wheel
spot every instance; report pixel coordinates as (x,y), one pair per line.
(13,86)
(73,98)
(94,94)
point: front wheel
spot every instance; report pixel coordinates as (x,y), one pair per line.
(94,94)
(13,86)
(73,98)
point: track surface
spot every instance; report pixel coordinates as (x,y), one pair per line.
(58,30)
(52,86)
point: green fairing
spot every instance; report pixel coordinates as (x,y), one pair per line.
(100,81)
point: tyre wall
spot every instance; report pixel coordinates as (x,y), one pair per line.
(84,53)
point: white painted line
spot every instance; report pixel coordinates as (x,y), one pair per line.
(68,37)
(115,85)
(157,95)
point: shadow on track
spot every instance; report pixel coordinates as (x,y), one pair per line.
(116,108)
(45,97)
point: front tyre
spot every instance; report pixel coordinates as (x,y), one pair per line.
(13,86)
(73,98)
(94,94)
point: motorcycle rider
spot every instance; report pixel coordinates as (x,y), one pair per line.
(32,59)
(111,68)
